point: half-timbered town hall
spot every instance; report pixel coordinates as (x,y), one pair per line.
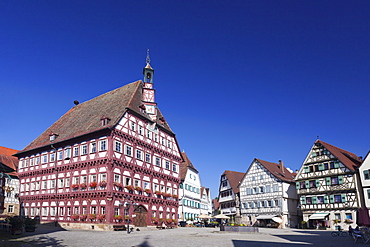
(106,161)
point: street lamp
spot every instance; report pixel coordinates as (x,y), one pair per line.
(128,204)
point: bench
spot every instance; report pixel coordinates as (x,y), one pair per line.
(119,227)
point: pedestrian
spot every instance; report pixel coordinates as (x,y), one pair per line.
(350,230)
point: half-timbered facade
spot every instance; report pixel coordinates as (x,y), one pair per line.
(229,197)
(107,159)
(268,196)
(364,190)
(9,183)
(326,184)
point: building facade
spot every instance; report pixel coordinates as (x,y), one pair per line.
(191,193)
(229,197)
(205,201)
(268,196)
(108,160)
(327,187)
(364,191)
(9,183)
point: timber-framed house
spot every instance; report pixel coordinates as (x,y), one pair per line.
(110,160)
(326,184)
(229,197)
(268,196)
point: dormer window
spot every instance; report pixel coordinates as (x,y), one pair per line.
(52,136)
(104,120)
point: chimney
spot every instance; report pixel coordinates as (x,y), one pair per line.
(281,163)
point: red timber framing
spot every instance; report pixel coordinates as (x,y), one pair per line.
(103,170)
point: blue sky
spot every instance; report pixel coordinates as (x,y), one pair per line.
(236,80)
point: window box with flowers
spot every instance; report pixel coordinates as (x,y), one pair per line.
(75,217)
(127,218)
(93,184)
(75,186)
(348,221)
(91,217)
(103,183)
(83,186)
(175,196)
(118,185)
(129,187)
(167,195)
(100,217)
(83,217)
(118,218)
(336,221)
(158,193)
(155,220)
(138,188)
(148,191)
(169,221)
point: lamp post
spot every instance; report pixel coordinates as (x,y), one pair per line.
(128,213)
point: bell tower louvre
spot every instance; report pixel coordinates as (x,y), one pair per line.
(111,160)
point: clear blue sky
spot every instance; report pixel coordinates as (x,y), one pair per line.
(236,80)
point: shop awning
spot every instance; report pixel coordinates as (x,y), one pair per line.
(265,217)
(277,219)
(318,216)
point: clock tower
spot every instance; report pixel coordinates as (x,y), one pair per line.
(148,90)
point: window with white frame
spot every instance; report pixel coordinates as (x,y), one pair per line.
(44,159)
(147,158)
(157,161)
(137,183)
(52,211)
(93,209)
(103,177)
(52,157)
(52,183)
(116,178)
(37,161)
(127,181)
(174,167)
(60,155)
(268,188)
(103,145)
(155,137)
(44,211)
(141,130)
(67,182)
(75,180)
(84,149)
(93,178)
(10,208)
(128,151)
(67,153)
(83,179)
(44,184)
(149,134)
(133,126)
(139,154)
(275,188)
(69,211)
(60,183)
(93,147)
(118,146)
(75,151)
(167,163)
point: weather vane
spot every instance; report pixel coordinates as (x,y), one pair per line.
(147,57)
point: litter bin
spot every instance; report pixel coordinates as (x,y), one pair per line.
(222,227)
(182,223)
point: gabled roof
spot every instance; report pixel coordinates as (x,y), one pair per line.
(234,179)
(86,117)
(277,170)
(206,190)
(350,160)
(185,165)
(8,163)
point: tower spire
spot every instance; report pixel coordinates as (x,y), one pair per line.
(148,71)
(147,57)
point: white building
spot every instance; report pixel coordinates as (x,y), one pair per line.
(364,174)
(194,199)
(268,196)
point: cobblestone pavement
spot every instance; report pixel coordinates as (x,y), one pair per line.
(178,237)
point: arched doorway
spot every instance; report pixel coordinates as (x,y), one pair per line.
(141,216)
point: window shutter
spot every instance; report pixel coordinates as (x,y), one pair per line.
(340,179)
(317,183)
(343,197)
(303,200)
(297,185)
(307,184)
(321,167)
(326,199)
(279,202)
(314,201)
(331,198)
(328,180)
(336,164)
(306,169)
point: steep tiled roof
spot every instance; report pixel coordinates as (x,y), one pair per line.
(351,160)
(185,165)
(234,179)
(8,163)
(86,117)
(278,170)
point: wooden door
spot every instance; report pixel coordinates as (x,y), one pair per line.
(141,216)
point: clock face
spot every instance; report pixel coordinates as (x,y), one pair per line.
(150,109)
